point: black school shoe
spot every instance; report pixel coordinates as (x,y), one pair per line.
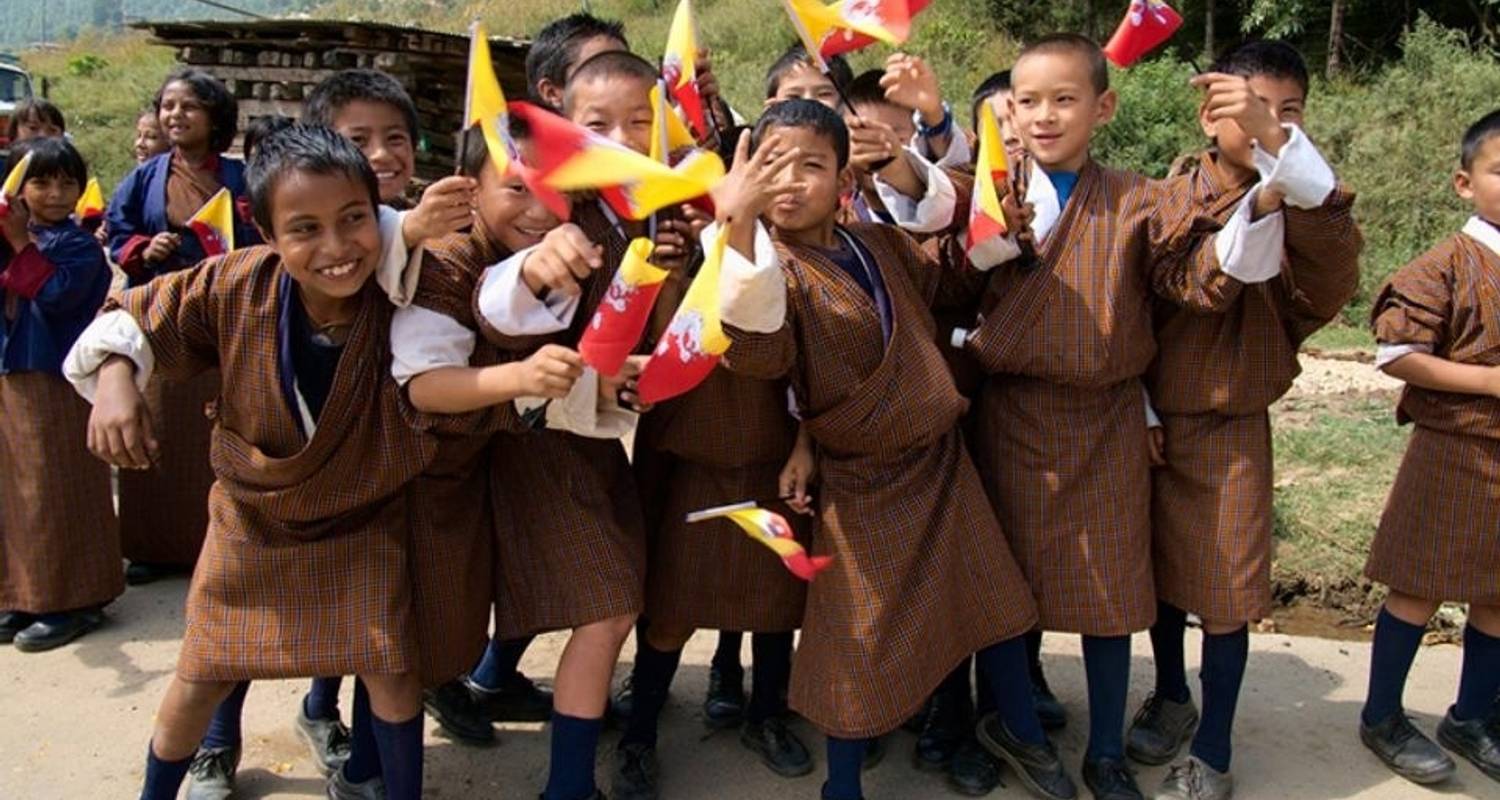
(1049,711)
(637,773)
(1038,766)
(12,623)
(140,573)
(211,774)
(622,702)
(724,705)
(874,754)
(1406,750)
(1477,740)
(1111,779)
(973,771)
(43,634)
(519,699)
(778,748)
(950,720)
(458,715)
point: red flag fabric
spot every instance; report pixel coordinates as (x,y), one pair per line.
(694,339)
(1147,24)
(892,15)
(622,315)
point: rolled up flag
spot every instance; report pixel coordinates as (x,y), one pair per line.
(214,224)
(771,530)
(11,189)
(986,220)
(622,315)
(1147,24)
(484,102)
(694,339)
(90,203)
(679,67)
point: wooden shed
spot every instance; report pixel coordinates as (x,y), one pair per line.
(270,65)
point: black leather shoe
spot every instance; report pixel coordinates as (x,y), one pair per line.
(724,705)
(518,699)
(1049,711)
(12,623)
(1160,728)
(44,635)
(1038,766)
(950,720)
(140,573)
(636,772)
(973,771)
(874,755)
(211,774)
(778,747)
(1406,750)
(458,715)
(1111,779)
(623,701)
(1477,740)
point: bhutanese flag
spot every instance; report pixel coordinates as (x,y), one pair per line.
(484,102)
(679,67)
(91,202)
(694,340)
(668,134)
(1147,24)
(623,313)
(771,530)
(214,224)
(572,158)
(11,189)
(845,25)
(990,173)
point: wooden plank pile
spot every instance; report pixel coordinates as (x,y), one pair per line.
(270,65)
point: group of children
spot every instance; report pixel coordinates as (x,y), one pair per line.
(369,434)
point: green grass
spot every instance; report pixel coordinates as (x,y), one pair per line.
(1339,338)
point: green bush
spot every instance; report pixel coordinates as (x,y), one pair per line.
(87,65)
(1157,119)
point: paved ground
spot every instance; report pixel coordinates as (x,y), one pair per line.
(75,723)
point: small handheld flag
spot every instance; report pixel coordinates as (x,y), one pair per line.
(694,340)
(847,25)
(771,530)
(91,202)
(11,189)
(679,67)
(1147,24)
(622,315)
(214,224)
(986,220)
(668,134)
(484,102)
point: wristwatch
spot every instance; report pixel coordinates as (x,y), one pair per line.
(940,129)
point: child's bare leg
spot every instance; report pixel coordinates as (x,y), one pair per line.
(184,715)
(587,664)
(394,697)
(1411,609)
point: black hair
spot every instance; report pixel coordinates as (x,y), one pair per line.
(611,64)
(340,89)
(555,48)
(838,69)
(1487,128)
(1268,57)
(223,110)
(1076,44)
(37,108)
(50,157)
(476,152)
(809,114)
(317,149)
(261,128)
(865,89)
(996,83)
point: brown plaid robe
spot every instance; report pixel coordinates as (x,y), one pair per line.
(576,551)
(1061,437)
(922,575)
(1437,538)
(59,544)
(164,509)
(304,570)
(1213,379)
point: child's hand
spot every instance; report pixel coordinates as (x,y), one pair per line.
(910,83)
(550,372)
(623,388)
(675,242)
(697,219)
(13,225)
(119,431)
(872,145)
(1156,437)
(754,182)
(162,246)
(801,468)
(708,90)
(447,206)
(1229,97)
(1018,215)
(565,257)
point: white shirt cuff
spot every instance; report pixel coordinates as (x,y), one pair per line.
(1298,172)
(399,269)
(1153,420)
(583,411)
(1388,354)
(933,211)
(110,334)
(423,340)
(1250,251)
(959,153)
(752,295)
(512,309)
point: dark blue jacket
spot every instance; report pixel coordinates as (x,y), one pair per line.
(47,324)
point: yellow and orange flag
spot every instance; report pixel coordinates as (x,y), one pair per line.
(90,203)
(773,531)
(668,133)
(847,25)
(214,224)
(679,67)
(11,189)
(986,221)
(484,102)
(622,315)
(690,348)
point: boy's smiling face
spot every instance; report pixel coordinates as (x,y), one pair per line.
(510,211)
(1480,183)
(806,82)
(1055,107)
(380,131)
(324,227)
(617,107)
(818,169)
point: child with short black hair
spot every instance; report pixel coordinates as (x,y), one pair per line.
(1437,539)
(36,118)
(794,75)
(560,46)
(58,531)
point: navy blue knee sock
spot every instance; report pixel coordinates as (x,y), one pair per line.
(650,680)
(163,778)
(983,691)
(770,673)
(224,728)
(499,662)
(1481,676)
(322,700)
(400,745)
(1395,647)
(727,653)
(575,742)
(1224,658)
(1167,652)
(846,759)
(1005,667)
(1106,663)
(364,751)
